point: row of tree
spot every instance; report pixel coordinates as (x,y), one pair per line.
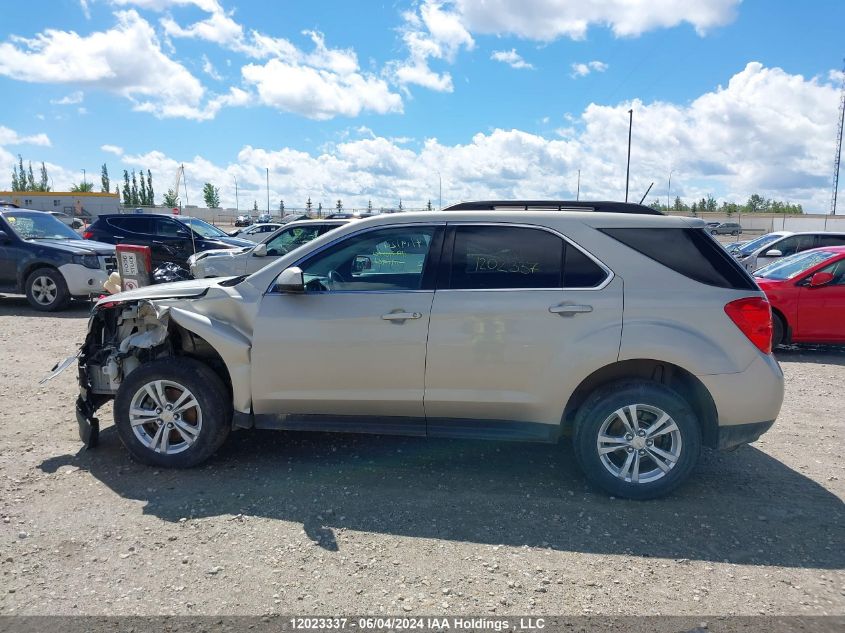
(755,204)
(24,180)
(211,196)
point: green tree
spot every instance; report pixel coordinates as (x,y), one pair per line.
(282,207)
(401,206)
(142,195)
(694,208)
(710,203)
(30,179)
(339,205)
(127,192)
(44,179)
(82,187)
(151,200)
(369,206)
(308,206)
(756,204)
(211,195)
(170,198)
(319,209)
(105,183)
(255,205)
(21,175)
(15,186)
(134,199)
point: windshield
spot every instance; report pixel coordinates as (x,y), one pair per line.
(32,225)
(761,241)
(204,228)
(792,266)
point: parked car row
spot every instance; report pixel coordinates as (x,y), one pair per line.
(767,248)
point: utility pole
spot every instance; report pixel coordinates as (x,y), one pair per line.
(838,156)
(578,190)
(236,191)
(440,186)
(669,189)
(83,177)
(628,169)
(268,189)
(184,184)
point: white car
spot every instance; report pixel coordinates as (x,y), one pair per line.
(767,248)
(244,261)
(258,232)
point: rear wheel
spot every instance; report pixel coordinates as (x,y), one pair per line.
(636,439)
(173,413)
(778,330)
(46,290)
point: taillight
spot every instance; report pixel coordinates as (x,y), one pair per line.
(87,235)
(753,316)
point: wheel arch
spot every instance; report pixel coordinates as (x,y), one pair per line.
(787,328)
(30,267)
(669,374)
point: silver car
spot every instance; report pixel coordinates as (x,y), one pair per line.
(772,246)
(231,262)
(497,324)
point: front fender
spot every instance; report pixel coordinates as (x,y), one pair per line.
(234,348)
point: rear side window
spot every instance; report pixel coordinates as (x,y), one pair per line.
(831,240)
(690,252)
(493,257)
(132,224)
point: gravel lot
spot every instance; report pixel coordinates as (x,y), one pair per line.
(330,524)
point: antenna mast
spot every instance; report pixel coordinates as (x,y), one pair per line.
(838,156)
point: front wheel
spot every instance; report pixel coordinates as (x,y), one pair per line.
(46,290)
(636,439)
(173,413)
(778,330)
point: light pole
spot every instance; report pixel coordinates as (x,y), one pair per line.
(440,188)
(578,190)
(52,186)
(236,192)
(669,189)
(83,178)
(628,169)
(268,189)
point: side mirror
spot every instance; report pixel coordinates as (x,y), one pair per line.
(361,263)
(260,251)
(4,238)
(820,279)
(773,253)
(291,280)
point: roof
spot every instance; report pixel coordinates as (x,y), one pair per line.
(602,206)
(72,194)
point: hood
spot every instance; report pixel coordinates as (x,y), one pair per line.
(174,290)
(78,247)
(223,252)
(234,241)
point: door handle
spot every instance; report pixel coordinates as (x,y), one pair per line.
(570,309)
(401,316)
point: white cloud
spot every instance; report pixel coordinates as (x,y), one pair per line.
(547,20)
(209,69)
(766,131)
(511,58)
(9,137)
(126,59)
(71,99)
(430,32)
(86,10)
(117,150)
(584,69)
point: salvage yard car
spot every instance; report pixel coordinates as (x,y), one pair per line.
(48,261)
(227,263)
(496,320)
(807,293)
(171,239)
(768,248)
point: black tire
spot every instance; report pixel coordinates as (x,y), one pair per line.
(36,279)
(778,330)
(211,395)
(734,233)
(714,232)
(600,407)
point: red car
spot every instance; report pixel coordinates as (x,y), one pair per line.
(807,293)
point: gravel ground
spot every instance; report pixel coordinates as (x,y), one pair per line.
(331,524)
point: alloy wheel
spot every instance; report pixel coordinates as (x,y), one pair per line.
(44,290)
(165,417)
(639,443)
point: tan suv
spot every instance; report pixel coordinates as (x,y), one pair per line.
(633,333)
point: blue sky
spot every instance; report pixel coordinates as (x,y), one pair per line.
(369,100)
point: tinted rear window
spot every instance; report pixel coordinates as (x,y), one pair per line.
(690,252)
(132,224)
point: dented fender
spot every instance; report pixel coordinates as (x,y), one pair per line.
(234,348)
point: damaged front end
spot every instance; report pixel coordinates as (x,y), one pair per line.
(121,337)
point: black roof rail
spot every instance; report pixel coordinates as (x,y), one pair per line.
(555,205)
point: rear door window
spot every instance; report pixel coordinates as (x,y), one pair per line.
(133,224)
(509,257)
(831,240)
(792,244)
